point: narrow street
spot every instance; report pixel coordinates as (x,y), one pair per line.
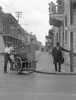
(37,86)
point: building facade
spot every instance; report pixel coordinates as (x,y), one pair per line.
(60,18)
(49,44)
(11,31)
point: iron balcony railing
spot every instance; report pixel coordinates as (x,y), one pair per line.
(56,9)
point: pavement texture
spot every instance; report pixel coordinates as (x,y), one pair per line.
(45,65)
(36,86)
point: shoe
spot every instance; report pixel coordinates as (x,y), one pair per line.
(59,71)
(55,70)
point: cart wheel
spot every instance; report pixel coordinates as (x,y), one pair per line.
(18,64)
(29,67)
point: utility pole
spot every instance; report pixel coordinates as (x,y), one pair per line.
(71,36)
(18,15)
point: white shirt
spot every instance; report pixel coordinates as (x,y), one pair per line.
(8,50)
(57,48)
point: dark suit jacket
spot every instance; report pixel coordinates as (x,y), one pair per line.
(57,54)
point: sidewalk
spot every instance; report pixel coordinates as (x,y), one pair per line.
(45,65)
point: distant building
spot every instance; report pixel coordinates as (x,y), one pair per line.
(11,31)
(49,44)
(38,45)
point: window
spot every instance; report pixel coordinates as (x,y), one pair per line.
(65,36)
(65,21)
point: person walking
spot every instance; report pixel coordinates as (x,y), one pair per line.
(58,56)
(7,57)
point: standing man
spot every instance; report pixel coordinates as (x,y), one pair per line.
(57,56)
(7,57)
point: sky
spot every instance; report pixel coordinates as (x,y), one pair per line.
(34,17)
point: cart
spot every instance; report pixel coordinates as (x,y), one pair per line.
(24,58)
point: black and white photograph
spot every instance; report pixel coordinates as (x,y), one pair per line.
(37,49)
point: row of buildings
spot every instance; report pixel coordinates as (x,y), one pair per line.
(11,31)
(62,18)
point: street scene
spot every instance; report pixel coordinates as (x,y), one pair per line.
(38,50)
(38,86)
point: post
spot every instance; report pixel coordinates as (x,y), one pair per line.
(71,36)
(18,15)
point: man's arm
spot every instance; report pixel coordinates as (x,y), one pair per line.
(65,49)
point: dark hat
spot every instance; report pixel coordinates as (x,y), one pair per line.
(57,43)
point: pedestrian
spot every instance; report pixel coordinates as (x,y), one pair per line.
(7,57)
(58,56)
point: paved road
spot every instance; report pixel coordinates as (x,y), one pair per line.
(36,86)
(45,64)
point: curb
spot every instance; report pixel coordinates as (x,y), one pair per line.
(56,73)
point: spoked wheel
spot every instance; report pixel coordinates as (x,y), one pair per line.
(18,64)
(29,67)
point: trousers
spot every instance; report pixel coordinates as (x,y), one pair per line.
(59,66)
(6,59)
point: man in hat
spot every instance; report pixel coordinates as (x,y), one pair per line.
(7,57)
(57,56)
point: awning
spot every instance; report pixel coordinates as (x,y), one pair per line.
(51,31)
(55,22)
(48,37)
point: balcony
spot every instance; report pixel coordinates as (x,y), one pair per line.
(51,32)
(55,22)
(55,14)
